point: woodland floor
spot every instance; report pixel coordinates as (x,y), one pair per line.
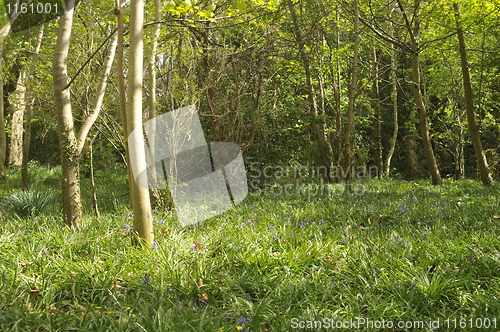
(395,252)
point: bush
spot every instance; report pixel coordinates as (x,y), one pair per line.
(28,203)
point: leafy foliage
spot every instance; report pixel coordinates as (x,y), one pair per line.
(28,203)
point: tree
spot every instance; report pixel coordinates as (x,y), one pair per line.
(352,99)
(411,22)
(71,144)
(469,104)
(394,97)
(29,99)
(141,206)
(413,28)
(376,113)
(72,207)
(318,134)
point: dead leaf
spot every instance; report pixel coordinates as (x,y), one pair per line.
(199,282)
(202,299)
(197,245)
(115,285)
(35,291)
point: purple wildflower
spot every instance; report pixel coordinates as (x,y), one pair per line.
(145,281)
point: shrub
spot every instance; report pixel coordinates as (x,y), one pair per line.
(28,203)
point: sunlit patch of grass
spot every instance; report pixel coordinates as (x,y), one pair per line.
(390,251)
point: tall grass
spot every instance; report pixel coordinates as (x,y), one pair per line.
(27,203)
(393,251)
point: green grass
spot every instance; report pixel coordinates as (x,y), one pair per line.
(395,250)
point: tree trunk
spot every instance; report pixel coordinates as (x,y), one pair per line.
(410,157)
(377,149)
(120,72)
(394,96)
(337,87)
(92,181)
(318,135)
(139,195)
(29,111)
(72,207)
(101,90)
(18,103)
(154,194)
(417,93)
(469,105)
(3,135)
(352,100)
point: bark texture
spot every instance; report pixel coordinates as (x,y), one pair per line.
(140,196)
(482,164)
(72,207)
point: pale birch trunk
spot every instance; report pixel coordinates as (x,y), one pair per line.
(394,97)
(141,206)
(29,111)
(72,207)
(18,103)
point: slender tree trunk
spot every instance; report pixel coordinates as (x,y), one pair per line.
(72,207)
(319,136)
(92,182)
(29,111)
(377,149)
(121,85)
(417,93)
(91,119)
(152,61)
(352,100)
(18,103)
(458,152)
(4,31)
(394,96)
(154,194)
(469,105)
(337,82)
(3,135)
(410,157)
(140,196)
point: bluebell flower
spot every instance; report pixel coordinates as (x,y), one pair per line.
(145,281)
